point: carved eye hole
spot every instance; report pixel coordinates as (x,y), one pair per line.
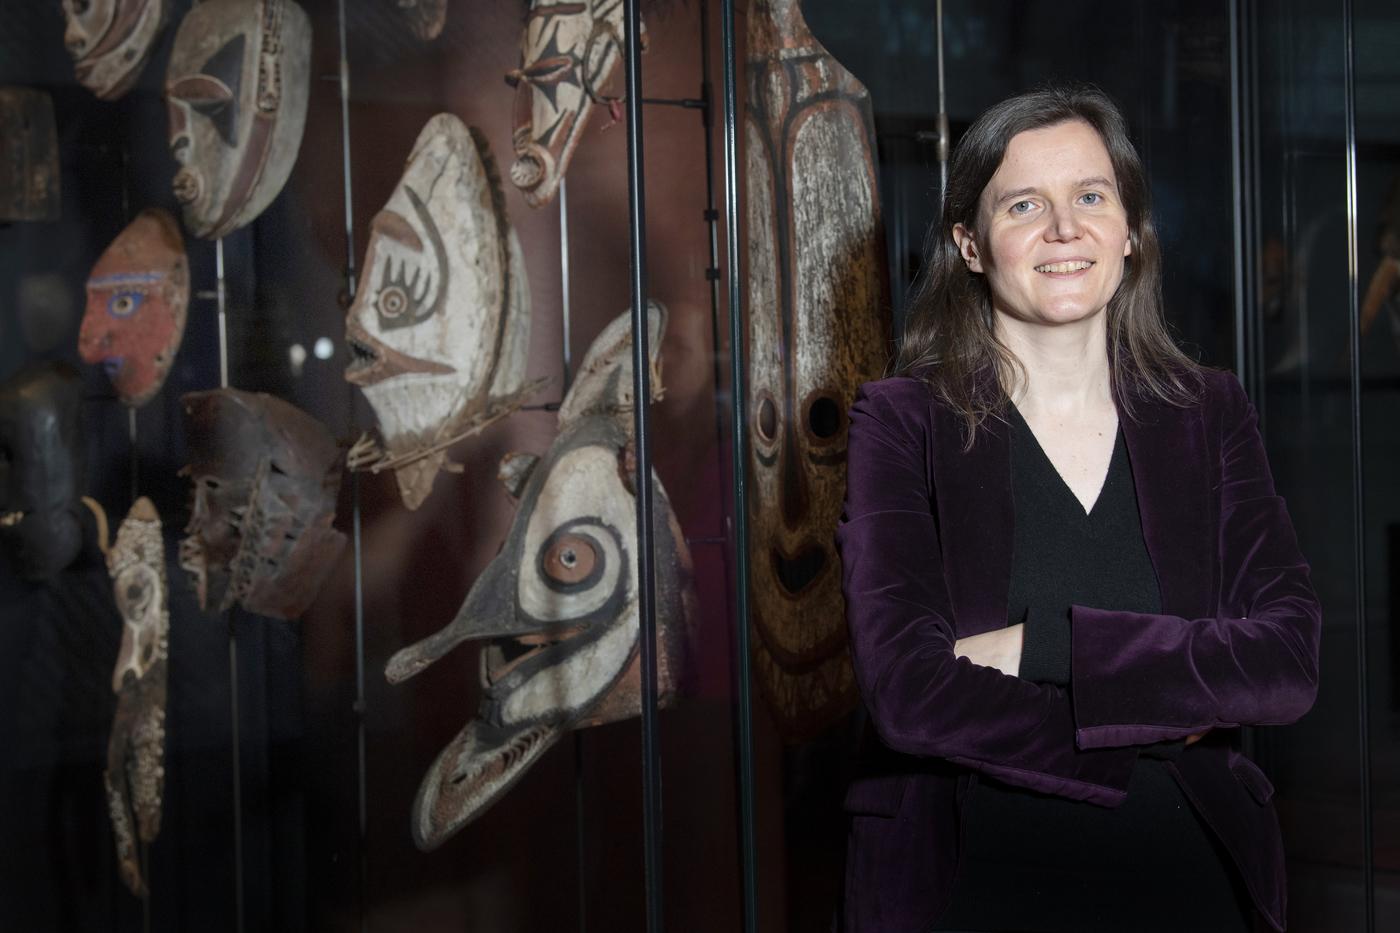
(766,419)
(824,418)
(570,559)
(124,304)
(392,302)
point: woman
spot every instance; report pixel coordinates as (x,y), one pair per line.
(1068,578)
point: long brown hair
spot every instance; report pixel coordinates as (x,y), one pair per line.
(949,340)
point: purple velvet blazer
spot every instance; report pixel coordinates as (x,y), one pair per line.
(926,557)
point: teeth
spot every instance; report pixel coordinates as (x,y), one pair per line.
(1075,266)
(11,519)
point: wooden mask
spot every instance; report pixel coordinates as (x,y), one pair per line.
(29,171)
(557,608)
(136,301)
(441,320)
(111,41)
(817,328)
(135,773)
(41,468)
(266,475)
(425,18)
(236,90)
(569,54)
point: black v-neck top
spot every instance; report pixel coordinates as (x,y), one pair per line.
(1036,862)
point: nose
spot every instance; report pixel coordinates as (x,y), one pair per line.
(1064,224)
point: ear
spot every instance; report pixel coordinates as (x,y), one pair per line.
(1128,246)
(967,247)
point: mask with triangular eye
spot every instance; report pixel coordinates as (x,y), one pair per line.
(265,478)
(111,41)
(236,90)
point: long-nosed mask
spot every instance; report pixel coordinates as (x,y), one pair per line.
(29,170)
(557,607)
(236,90)
(111,41)
(266,475)
(135,774)
(136,300)
(817,328)
(41,468)
(569,55)
(441,319)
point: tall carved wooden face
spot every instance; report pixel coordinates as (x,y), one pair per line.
(137,296)
(41,468)
(111,41)
(236,90)
(265,478)
(817,328)
(441,317)
(569,54)
(29,169)
(557,608)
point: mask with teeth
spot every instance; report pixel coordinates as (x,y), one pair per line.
(41,468)
(29,170)
(817,328)
(441,319)
(569,55)
(266,476)
(136,300)
(425,18)
(135,772)
(236,91)
(557,608)
(111,41)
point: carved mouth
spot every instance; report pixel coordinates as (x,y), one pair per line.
(112,366)
(372,362)
(797,572)
(504,655)
(362,356)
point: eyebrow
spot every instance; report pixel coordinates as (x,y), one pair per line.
(1094,181)
(393,225)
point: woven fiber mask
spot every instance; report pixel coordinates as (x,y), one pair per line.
(111,41)
(29,171)
(817,328)
(557,608)
(41,468)
(137,296)
(569,55)
(441,320)
(236,90)
(135,774)
(266,475)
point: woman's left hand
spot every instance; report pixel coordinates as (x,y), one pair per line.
(999,648)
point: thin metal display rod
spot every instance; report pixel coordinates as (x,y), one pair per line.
(564,283)
(944,142)
(641,394)
(1358,488)
(356,527)
(738,423)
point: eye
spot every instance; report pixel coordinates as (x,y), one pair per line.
(1091,198)
(569,559)
(392,302)
(766,419)
(824,418)
(124,304)
(1022,207)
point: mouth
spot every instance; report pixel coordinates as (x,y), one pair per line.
(362,357)
(797,572)
(11,519)
(372,362)
(505,655)
(112,366)
(1068,267)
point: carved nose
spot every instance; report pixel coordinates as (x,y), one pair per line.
(794,479)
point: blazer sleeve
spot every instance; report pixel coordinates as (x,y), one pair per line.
(1255,663)
(922,699)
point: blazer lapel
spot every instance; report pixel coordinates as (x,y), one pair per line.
(1171,472)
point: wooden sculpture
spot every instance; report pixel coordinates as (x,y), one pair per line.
(135,774)
(111,41)
(236,90)
(818,326)
(29,171)
(441,319)
(137,295)
(557,608)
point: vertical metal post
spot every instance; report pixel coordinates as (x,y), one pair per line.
(356,529)
(1358,495)
(944,142)
(564,281)
(738,426)
(641,388)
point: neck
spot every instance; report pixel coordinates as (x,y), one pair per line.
(1066,366)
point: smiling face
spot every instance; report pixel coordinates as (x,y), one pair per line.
(1052,232)
(136,301)
(110,41)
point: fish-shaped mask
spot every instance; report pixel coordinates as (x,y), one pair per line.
(111,41)
(441,320)
(557,608)
(425,18)
(41,468)
(817,328)
(266,476)
(137,296)
(29,170)
(236,90)
(135,774)
(569,55)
